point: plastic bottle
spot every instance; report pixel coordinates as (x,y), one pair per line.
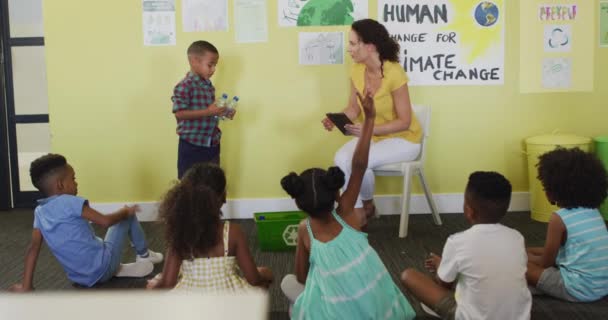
(232,104)
(222,102)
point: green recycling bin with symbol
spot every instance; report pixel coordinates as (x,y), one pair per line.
(278,231)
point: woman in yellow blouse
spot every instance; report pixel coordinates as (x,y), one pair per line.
(397,132)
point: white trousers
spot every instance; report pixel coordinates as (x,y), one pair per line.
(381,153)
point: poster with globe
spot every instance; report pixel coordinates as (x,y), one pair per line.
(448,42)
(303,13)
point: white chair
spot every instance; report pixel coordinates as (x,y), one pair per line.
(408,168)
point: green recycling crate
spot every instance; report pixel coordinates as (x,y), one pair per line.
(278,231)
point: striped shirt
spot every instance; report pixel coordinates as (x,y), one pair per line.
(196,93)
(583,259)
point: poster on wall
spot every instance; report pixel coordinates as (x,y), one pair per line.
(303,13)
(603,24)
(556,46)
(250,21)
(448,42)
(204,15)
(318,48)
(159,22)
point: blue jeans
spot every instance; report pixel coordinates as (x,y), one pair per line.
(115,240)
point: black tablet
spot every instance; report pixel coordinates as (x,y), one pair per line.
(339,120)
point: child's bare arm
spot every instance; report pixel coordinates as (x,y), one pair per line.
(302,254)
(107,220)
(170,273)
(360,156)
(351,111)
(556,235)
(212,110)
(245,260)
(31,257)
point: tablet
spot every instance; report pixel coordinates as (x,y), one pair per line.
(339,120)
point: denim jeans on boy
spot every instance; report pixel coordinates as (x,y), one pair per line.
(115,240)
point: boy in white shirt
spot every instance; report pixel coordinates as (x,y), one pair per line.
(487,261)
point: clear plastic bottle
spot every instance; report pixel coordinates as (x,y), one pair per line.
(222,102)
(231,106)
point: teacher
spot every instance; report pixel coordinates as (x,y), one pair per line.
(397,132)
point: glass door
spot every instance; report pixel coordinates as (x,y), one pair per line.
(26,94)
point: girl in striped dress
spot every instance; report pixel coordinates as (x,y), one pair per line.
(208,254)
(573,264)
(343,275)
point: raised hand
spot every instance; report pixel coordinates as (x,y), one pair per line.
(327,124)
(367,103)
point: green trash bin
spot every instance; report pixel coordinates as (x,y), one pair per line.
(601,150)
(540,208)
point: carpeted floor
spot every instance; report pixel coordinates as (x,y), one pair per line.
(397,254)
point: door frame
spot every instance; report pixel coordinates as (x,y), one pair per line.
(20,199)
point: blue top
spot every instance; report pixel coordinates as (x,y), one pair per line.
(70,237)
(583,259)
(347,280)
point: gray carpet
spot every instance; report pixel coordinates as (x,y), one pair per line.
(397,254)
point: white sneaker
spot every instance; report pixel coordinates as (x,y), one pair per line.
(428,310)
(153,257)
(135,270)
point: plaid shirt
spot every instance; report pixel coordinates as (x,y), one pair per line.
(195,93)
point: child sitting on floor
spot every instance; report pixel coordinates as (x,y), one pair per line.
(62,220)
(488,261)
(338,274)
(572,265)
(210,253)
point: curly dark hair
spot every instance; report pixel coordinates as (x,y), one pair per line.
(573,178)
(191,211)
(314,189)
(44,166)
(489,194)
(373,32)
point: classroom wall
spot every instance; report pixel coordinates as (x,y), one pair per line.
(110,108)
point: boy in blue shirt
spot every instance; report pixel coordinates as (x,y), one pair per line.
(62,220)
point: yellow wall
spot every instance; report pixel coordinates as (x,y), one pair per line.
(110,107)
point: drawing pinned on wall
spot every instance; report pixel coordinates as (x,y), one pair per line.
(158,22)
(250,23)
(558,38)
(204,15)
(604,24)
(319,48)
(557,73)
(321,12)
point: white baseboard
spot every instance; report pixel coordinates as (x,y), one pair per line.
(387,205)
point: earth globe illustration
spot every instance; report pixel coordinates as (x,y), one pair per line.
(486,14)
(326,13)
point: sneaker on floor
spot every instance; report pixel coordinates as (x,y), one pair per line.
(138,269)
(154,257)
(428,310)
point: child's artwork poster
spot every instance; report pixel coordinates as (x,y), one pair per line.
(304,13)
(319,48)
(204,15)
(603,24)
(448,42)
(556,49)
(159,22)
